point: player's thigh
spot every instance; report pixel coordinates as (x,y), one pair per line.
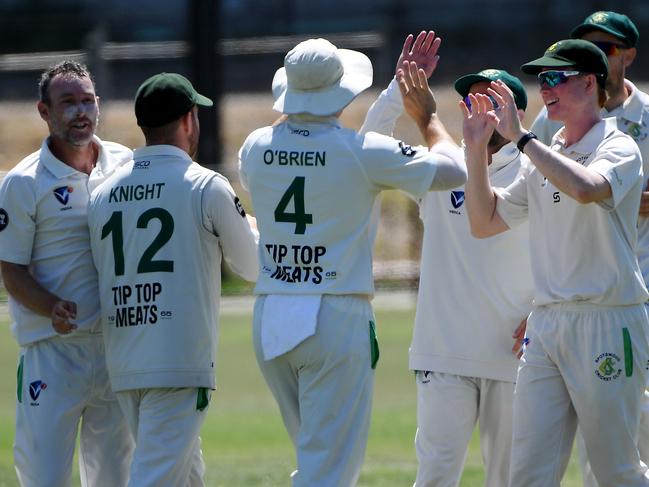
(105,443)
(496,423)
(166,440)
(447,409)
(48,410)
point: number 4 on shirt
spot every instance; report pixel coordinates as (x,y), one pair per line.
(299,216)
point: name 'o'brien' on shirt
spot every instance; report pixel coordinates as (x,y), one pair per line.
(135,192)
(294,158)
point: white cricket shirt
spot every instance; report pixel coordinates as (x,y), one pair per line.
(43,224)
(313,186)
(158,229)
(583,252)
(632,119)
(473,293)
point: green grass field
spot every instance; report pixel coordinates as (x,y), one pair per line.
(244,441)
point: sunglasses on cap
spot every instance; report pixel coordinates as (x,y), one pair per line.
(467,102)
(609,48)
(554,78)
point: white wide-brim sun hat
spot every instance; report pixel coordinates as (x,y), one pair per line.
(320,79)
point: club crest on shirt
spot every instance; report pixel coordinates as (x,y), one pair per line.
(62,194)
(4,219)
(239,207)
(407,150)
(457,198)
(607,366)
(637,131)
(35,389)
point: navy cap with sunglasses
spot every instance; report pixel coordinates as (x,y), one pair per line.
(570,55)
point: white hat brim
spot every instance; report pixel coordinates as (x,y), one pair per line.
(356,78)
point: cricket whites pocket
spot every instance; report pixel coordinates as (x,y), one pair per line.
(374,346)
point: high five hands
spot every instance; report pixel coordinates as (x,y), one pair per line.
(482,118)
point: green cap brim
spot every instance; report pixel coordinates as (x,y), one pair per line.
(579,31)
(463,84)
(536,66)
(203,100)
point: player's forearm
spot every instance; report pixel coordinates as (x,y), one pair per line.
(480,198)
(22,286)
(384,112)
(433,131)
(570,177)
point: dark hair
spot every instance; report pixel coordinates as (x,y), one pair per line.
(65,68)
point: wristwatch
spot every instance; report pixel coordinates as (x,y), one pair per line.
(525,139)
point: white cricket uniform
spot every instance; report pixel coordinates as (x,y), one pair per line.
(587,346)
(632,119)
(158,229)
(462,353)
(61,379)
(314,185)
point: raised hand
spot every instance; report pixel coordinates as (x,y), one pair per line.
(423,52)
(509,125)
(418,100)
(479,122)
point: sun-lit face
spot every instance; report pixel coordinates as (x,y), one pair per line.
(619,58)
(564,99)
(72,113)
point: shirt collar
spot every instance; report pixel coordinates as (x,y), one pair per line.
(62,170)
(160,150)
(591,139)
(507,153)
(632,108)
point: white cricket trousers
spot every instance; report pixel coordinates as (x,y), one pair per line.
(166,423)
(448,407)
(324,391)
(63,387)
(582,363)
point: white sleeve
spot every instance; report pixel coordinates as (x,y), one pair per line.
(17,219)
(384,112)
(224,216)
(512,203)
(618,161)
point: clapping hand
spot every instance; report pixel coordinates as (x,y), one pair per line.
(418,100)
(479,121)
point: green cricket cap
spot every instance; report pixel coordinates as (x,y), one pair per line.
(166,97)
(463,84)
(574,55)
(618,25)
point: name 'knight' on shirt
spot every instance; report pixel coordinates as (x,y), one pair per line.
(135,192)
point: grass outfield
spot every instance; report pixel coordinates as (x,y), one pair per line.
(244,441)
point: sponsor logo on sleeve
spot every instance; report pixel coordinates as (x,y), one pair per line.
(407,150)
(239,206)
(4,219)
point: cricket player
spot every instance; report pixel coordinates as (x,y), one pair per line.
(462,355)
(47,268)
(586,348)
(314,185)
(158,230)
(617,36)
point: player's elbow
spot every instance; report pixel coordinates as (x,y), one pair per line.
(449,176)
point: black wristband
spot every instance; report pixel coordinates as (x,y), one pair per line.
(525,139)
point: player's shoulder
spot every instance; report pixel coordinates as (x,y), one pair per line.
(256,136)
(26,170)
(118,154)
